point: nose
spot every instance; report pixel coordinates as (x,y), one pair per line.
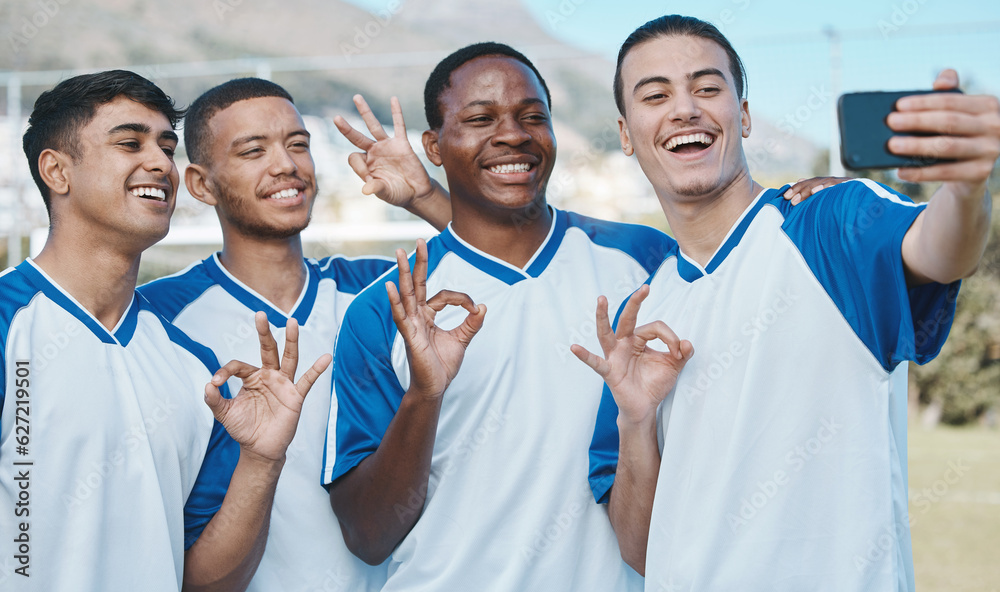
(282,162)
(683,107)
(157,161)
(510,132)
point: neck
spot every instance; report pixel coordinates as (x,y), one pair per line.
(513,236)
(700,224)
(99,274)
(271,267)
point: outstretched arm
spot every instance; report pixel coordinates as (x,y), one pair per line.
(639,379)
(948,239)
(262,419)
(390,168)
(379,501)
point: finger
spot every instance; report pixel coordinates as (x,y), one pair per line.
(969,171)
(290,359)
(687,350)
(470,326)
(974,104)
(268,346)
(420,272)
(660,330)
(596,363)
(236,368)
(353,136)
(952,123)
(312,374)
(398,125)
(949,147)
(451,298)
(359,164)
(605,335)
(395,305)
(405,282)
(626,322)
(369,118)
(947,79)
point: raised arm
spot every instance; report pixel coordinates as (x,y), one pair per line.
(948,239)
(262,419)
(367,498)
(639,379)
(390,168)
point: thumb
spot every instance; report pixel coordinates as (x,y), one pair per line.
(215,401)
(471,325)
(946,80)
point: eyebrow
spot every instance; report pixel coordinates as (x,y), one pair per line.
(692,76)
(142,128)
(529,101)
(253,138)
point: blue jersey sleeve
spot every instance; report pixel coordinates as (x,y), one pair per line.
(604,444)
(365,383)
(212,482)
(851,237)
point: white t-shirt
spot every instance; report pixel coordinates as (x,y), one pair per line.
(111,463)
(784,441)
(508,506)
(305,548)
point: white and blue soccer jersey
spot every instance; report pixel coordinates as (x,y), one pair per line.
(305,548)
(784,441)
(508,506)
(111,463)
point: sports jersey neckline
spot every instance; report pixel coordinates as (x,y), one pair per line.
(255,302)
(690,271)
(122,332)
(499,268)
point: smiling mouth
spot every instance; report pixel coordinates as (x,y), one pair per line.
(154,193)
(689,143)
(503,169)
(283,194)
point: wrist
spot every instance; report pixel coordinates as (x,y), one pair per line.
(261,463)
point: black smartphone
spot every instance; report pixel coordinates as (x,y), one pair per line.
(864,134)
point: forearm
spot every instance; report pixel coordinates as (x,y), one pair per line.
(435,207)
(228,551)
(948,239)
(379,501)
(631,503)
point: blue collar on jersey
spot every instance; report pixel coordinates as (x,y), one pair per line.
(691,271)
(122,333)
(502,270)
(255,302)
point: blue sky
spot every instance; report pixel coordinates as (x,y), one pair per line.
(886,44)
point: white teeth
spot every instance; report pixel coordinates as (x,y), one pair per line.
(284,194)
(154,192)
(689,139)
(511,168)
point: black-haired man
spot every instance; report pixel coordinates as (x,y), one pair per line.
(779,461)
(114,471)
(483,485)
(250,159)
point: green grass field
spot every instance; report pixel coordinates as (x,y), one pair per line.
(955,509)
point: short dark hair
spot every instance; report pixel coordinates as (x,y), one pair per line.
(440,78)
(60,113)
(204,108)
(676,25)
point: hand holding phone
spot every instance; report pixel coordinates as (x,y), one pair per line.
(864,133)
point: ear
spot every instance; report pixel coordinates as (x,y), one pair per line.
(745,117)
(431,147)
(623,136)
(196,179)
(54,169)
